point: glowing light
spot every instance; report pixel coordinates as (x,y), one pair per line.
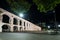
(21,15)
(48,26)
(58,25)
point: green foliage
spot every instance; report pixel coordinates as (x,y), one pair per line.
(19,5)
(46,5)
(23,6)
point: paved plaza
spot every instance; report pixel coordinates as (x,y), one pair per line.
(28,36)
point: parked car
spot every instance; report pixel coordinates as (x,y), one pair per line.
(52,32)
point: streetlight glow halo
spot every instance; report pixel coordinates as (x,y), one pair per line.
(21,15)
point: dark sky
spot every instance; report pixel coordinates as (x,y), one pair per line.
(34,15)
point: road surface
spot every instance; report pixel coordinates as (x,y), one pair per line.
(27,36)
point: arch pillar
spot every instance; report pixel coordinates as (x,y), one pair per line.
(22,25)
(18,25)
(0,27)
(26,25)
(18,29)
(1,18)
(0,23)
(11,22)
(11,28)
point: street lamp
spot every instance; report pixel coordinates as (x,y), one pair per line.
(56,31)
(55,19)
(21,15)
(58,25)
(48,27)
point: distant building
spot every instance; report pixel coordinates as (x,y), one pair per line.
(12,23)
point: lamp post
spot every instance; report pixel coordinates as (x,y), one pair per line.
(48,27)
(55,22)
(59,25)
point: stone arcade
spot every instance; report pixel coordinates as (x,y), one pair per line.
(12,23)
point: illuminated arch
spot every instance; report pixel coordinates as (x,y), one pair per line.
(5,18)
(15,28)
(5,28)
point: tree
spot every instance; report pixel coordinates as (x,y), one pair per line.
(46,5)
(23,6)
(18,5)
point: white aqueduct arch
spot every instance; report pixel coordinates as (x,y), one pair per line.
(22,24)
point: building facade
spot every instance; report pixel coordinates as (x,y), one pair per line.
(12,23)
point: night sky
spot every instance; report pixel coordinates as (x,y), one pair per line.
(35,16)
